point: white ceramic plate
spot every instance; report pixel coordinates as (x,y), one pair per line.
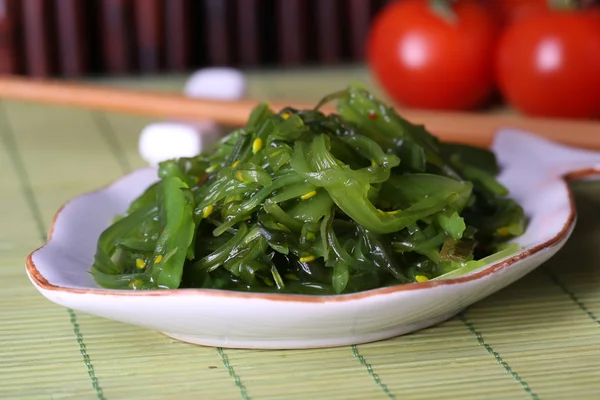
(533,169)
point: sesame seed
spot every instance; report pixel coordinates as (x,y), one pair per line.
(309,195)
(207,211)
(257,145)
(504,231)
(212,168)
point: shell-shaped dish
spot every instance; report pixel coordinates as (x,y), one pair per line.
(534,170)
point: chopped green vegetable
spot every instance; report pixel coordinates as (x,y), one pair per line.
(302,202)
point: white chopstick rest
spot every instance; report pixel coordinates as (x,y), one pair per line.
(162,141)
(165,140)
(216,83)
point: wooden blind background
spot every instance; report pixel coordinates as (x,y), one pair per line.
(74,38)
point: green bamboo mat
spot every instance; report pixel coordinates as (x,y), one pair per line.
(539,338)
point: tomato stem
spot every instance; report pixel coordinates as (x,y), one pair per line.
(443,9)
(565,5)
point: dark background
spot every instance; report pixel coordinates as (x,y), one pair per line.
(75,38)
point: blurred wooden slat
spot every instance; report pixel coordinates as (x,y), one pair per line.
(117,38)
(148,27)
(328,31)
(177,34)
(217,32)
(76,37)
(10,45)
(359,15)
(71,30)
(248,46)
(292,31)
(38,37)
(473,128)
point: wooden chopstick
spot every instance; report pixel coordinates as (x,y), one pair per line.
(473,128)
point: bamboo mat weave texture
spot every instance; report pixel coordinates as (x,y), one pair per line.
(537,339)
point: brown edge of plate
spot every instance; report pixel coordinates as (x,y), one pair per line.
(43,283)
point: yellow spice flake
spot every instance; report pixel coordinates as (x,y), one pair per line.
(504,231)
(207,211)
(309,195)
(158,259)
(307,259)
(285,116)
(421,278)
(239,176)
(235,163)
(136,284)
(257,145)
(140,264)
(393,212)
(212,168)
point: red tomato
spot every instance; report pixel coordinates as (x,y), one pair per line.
(506,12)
(423,60)
(549,64)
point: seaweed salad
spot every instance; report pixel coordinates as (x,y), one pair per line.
(298,201)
